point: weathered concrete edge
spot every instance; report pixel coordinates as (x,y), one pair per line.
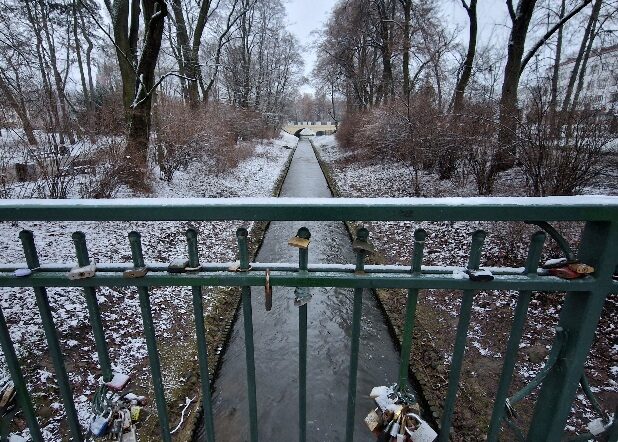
(257,234)
(423,380)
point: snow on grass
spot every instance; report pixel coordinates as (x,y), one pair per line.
(107,242)
(448,244)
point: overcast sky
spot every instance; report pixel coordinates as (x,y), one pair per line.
(306,16)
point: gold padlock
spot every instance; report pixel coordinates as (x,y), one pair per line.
(582,269)
(298,242)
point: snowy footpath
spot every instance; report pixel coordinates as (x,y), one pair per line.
(107,242)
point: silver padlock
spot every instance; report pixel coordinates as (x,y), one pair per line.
(82,272)
(302,296)
(100,425)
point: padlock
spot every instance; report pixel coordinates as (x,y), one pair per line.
(268,292)
(297,242)
(138,272)
(372,420)
(82,272)
(100,425)
(116,428)
(130,435)
(302,296)
(582,269)
(564,272)
(135,412)
(178,266)
(126,418)
(21,273)
(118,382)
(480,275)
(359,245)
(135,399)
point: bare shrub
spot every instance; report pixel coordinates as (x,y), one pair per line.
(101,177)
(216,136)
(563,160)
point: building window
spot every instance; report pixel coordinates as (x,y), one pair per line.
(614,97)
(602,83)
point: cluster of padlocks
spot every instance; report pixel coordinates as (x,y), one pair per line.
(116,410)
(397,417)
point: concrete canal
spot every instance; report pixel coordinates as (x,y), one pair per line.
(329,336)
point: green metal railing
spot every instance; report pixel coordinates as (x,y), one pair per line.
(579,316)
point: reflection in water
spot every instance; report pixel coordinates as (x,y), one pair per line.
(329,332)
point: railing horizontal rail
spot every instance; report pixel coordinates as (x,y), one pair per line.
(580,208)
(582,305)
(309,279)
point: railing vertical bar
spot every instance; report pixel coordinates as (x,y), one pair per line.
(408,329)
(357,310)
(241,235)
(32,259)
(23,397)
(151,340)
(202,345)
(579,318)
(519,321)
(303,262)
(94,313)
(459,349)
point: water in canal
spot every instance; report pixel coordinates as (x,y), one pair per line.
(328,337)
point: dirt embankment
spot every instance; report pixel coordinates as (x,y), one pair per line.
(436,323)
(219,321)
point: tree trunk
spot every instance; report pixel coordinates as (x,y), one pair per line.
(89,48)
(21,111)
(140,110)
(520,18)
(62,101)
(594,16)
(80,64)
(553,101)
(466,73)
(407,9)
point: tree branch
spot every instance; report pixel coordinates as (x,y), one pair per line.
(509,4)
(549,33)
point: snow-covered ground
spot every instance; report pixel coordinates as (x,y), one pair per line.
(107,242)
(506,245)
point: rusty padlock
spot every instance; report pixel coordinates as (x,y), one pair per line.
(268,292)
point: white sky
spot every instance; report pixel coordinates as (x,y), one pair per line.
(306,16)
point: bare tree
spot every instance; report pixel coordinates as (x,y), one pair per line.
(466,71)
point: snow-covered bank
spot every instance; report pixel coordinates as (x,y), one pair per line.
(448,244)
(107,242)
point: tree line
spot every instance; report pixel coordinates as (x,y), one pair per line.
(75,69)
(399,61)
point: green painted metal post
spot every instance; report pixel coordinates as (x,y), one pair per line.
(241,235)
(519,320)
(200,331)
(151,339)
(465,311)
(303,262)
(408,329)
(83,259)
(579,318)
(362,234)
(32,259)
(23,398)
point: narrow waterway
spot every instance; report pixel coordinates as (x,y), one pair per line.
(329,334)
